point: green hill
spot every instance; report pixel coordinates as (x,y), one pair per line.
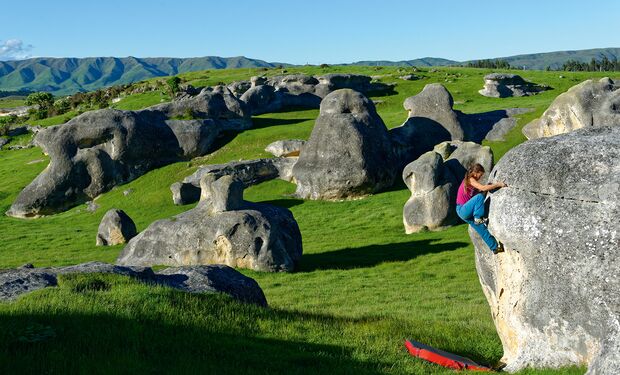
(64,76)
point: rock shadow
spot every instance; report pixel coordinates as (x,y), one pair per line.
(372,255)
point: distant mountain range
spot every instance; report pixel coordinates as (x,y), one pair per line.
(63,76)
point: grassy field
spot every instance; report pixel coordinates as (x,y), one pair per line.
(362,288)
(12,102)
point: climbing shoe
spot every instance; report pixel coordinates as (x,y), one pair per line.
(481,220)
(499,249)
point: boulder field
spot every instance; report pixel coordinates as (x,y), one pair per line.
(98,150)
(504,85)
(555,292)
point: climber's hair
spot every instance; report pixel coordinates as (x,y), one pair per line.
(474,168)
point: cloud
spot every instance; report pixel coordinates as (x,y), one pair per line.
(14,49)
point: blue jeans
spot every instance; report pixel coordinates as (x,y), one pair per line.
(474,208)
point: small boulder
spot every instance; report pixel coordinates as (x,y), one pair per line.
(433,180)
(115,228)
(588,104)
(503,85)
(215,278)
(286,148)
(349,151)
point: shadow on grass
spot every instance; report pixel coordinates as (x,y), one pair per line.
(285,202)
(372,255)
(68,342)
(264,122)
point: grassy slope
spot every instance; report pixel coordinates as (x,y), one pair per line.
(362,288)
(11,102)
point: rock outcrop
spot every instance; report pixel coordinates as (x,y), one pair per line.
(116,228)
(433,180)
(274,94)
(222,229)
(588,104)
(503,85)
(349,153)
(100,149)
(555,292)
(195,279)
(248,172)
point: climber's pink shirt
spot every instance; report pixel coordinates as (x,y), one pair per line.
(463,196)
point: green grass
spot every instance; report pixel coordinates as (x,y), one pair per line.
(11,102)
(139,101)
(362,287)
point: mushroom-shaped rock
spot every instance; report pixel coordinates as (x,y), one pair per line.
(215,278)
(431,120)
(503,85)
(555,292)
(433,180)
(588,104)
(222,229)
(349,152)
(286,148)
(98,150)
(115,228)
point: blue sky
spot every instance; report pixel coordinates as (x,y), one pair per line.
(315,31)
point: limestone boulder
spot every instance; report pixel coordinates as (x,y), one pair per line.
(192,279)
(222,229)
(349,153)
(116,228)
(555,292)
(248,172)
(215,278)
(433,180)
(503,85)
(286,148)
(591,103)
(98,150)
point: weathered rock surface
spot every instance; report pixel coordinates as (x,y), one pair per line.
(503,85)
(222,229)
(116,228)
(286,148)
(196,279)
(588,104)
(555,292)
(3,142)
(248,172)
(215,278)
(100,149)
(349,153)
(433,180)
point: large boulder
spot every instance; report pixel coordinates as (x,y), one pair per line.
(431,120)
(349,153)
(116,228)
(433,180)
(503,85)
(98,150)
(588,104)
(222,229)
(193,279)
(248,172)
(555,292)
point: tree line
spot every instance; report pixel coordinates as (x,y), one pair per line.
(603,65)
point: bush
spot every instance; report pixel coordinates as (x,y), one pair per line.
(173,85)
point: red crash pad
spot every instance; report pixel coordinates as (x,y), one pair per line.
(442,358)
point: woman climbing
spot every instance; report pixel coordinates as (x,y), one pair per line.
(470,204)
